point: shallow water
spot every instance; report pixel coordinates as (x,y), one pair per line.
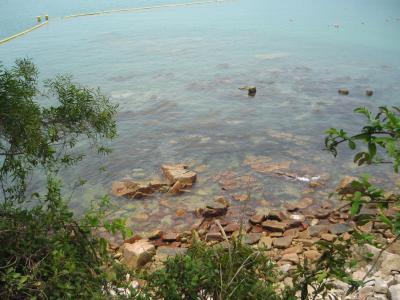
(175,73)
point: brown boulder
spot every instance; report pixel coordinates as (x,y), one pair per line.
(345,185)
(295,249)
(294,232)
(156,234)
(322,213)
(231,227)
(251,238)
(135,190)
(290,257)
(304,203)
(328,237)
(277,215)
(312,255)
(240,197)
(215,209)
(179,172)
(274,226)
(214,236)
(257,219)
(283,242)
(317,230)
(170,237)
(307,242)
(265,242)
(176,188)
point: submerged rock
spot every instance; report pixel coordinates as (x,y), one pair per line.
(346,185)
(135,190)
(343,91)
(176,188)
(369,92)
(214,209)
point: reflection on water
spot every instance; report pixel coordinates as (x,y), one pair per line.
(176,74)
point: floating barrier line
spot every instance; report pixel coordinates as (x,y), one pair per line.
(135,9)
(23,32)
(138,9)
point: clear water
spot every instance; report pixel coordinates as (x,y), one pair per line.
(175,73)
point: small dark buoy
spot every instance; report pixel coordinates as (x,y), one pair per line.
(252,90)
(369,92)
(343,91)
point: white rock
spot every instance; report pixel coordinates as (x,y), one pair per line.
(138,254)
(394,292)
(285,268)
(381,286)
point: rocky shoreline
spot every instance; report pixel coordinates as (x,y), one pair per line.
(288,236)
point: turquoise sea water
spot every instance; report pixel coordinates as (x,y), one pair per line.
(175,73)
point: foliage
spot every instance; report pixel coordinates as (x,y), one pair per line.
(381,134)
(368,195)
(33,136)
(333,264)
(233,272)
(382,131)
(46,252)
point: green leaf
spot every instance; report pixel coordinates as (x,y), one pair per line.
(352,145)
(372,150)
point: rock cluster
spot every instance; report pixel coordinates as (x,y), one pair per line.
(178,178)
(288,236)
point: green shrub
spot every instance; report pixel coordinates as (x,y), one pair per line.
(46,252)
(237,272)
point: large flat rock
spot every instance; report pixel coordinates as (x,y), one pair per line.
(179,172)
